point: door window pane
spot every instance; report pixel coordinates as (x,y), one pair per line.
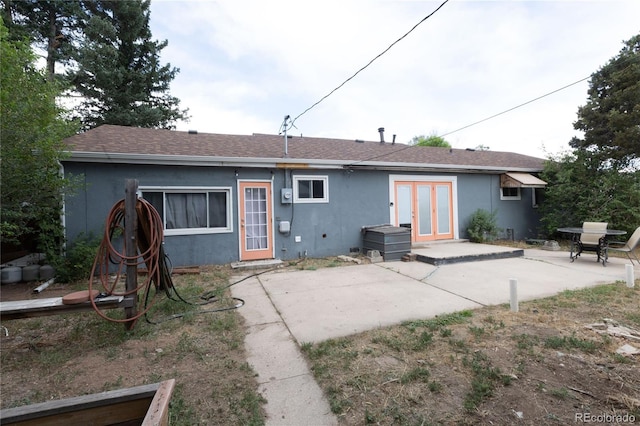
(424,210)
(256,219)
(404,205)
(444,223)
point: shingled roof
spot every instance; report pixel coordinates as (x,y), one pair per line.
(120,144)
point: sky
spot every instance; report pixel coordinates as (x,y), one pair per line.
(246,64)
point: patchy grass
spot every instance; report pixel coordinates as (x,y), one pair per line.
(74,354)
(487,366)
(469,367)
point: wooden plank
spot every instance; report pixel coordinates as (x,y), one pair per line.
(128,412)
(158,412)
(52,306)
(117,406)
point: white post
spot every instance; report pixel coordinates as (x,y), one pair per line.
(630,279)
(513,290)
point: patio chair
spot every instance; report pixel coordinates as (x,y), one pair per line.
(593,240)
(629,246)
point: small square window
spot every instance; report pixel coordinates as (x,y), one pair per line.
(311,189)
(509,193)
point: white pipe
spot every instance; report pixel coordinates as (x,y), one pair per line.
(630,279)
(513,294)
(43,286)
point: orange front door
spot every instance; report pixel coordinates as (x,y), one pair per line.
(256,227)
(426,208)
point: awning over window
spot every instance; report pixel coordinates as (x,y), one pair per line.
(520,180)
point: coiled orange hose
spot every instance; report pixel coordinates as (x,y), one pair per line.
(149,251)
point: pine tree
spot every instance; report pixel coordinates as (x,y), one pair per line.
(119,73)
(53,26)
(610,119)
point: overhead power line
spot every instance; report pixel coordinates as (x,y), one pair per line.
(516,107)
(480,121)
(369,63)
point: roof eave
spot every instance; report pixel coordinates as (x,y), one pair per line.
(210,161)
(206,161)
(453,168)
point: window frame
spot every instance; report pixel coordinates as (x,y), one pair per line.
(516,197)
(325,186)
(227,190)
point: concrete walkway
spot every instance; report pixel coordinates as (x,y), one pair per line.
(287,308)
(285,381)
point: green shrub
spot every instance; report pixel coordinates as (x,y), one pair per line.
(77,263)
(482,226)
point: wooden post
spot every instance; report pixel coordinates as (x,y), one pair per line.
(131,248)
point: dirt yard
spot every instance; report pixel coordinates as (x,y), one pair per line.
(61,356)
(489,366)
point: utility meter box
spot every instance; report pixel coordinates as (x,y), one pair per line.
(287,195)
(284,227)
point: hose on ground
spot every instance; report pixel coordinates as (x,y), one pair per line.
(149,252)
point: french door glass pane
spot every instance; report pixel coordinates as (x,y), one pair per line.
(404,204)
(442,194)
(424,210)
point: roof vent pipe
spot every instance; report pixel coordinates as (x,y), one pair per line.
(381,131)
(393,142)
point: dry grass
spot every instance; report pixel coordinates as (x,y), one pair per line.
(487,366)
(70,355)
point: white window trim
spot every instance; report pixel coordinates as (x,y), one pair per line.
(194,190)
(323,178)
(510,198)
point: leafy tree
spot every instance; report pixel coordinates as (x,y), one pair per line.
(610,119)
(580,189)
(119,73)
(54,26)
(600,179)
(32,133)
(431,140)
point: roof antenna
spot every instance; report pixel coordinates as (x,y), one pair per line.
(286,142)
(283,129)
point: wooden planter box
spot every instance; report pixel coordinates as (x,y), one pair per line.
(145,405)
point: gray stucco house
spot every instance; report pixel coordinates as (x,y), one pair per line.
(227,198)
